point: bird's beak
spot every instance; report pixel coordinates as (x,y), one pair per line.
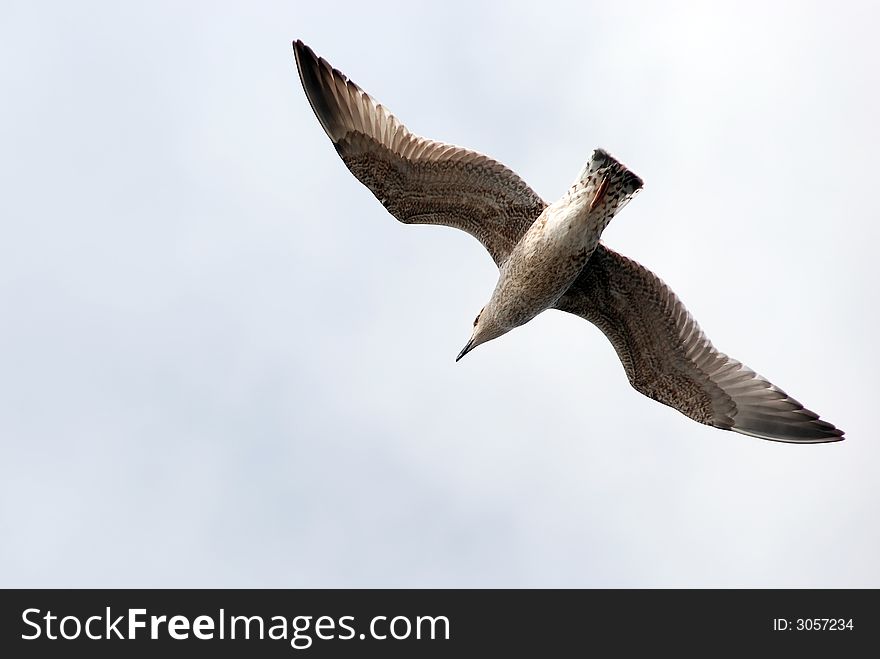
(466,349)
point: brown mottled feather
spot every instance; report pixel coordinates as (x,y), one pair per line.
(668,358)
(419,181)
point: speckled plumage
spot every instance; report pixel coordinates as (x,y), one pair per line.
(663,351)
(553,251)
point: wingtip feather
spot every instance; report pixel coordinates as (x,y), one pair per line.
(318,78)
(792,428)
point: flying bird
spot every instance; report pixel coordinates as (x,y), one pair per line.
(549,257)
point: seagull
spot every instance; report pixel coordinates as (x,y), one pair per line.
(549,256)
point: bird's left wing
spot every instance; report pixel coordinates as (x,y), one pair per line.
(419,181)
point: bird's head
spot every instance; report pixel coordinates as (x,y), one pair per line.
(485,329)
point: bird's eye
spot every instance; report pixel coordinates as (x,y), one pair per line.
(477,319)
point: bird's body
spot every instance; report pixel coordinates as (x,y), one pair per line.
(549,256)
(552,253)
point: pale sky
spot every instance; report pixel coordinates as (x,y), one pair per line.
(224,364)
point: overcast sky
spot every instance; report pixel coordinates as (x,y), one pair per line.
(222,363)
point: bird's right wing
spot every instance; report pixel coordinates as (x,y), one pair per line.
(668,358)
(419,181)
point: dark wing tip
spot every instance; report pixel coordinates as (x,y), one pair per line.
(304,56)
(795,427)
(832,434)
(323,103)
(302,51)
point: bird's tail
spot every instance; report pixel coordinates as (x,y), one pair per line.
(605,185)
